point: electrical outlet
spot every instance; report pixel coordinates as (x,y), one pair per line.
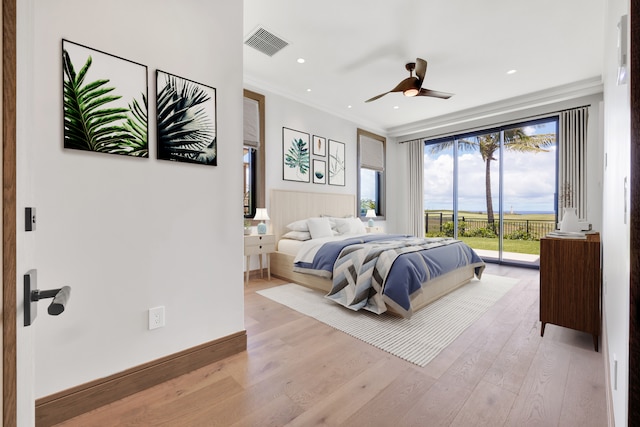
(156,317)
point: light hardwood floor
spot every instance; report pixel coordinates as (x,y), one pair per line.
(300,372)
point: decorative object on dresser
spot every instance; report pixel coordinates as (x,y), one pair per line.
(261,244)
(569,222)
(570,284)
(262,215)
(371,213)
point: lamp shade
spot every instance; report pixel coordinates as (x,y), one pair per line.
(262,215)
(371,213)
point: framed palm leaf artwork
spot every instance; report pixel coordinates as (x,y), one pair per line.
(187,130)
(104,102)
(295,155)
(336,163)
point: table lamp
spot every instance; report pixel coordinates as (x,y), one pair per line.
(371,213)
(261,215)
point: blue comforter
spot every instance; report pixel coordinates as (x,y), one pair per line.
(369,272)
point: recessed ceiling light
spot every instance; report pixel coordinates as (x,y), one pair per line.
(512,71)
(395,107)
(308,90)
(348,106)
(300,60)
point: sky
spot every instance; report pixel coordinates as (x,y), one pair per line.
(528,181)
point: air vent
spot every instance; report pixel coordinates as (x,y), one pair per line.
(265,42)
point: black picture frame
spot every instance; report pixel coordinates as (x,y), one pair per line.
(319,171)
(104,102)
(186,120)
(319,146)
(295,155)
(337,162)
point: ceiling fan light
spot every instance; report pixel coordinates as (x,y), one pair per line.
(411,92)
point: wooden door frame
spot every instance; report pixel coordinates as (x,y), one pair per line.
(634,215)
(9,382)
(9,216)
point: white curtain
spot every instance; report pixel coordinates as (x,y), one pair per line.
(572,161)
(416,194)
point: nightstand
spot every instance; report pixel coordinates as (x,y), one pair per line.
(259,244)
(374,229)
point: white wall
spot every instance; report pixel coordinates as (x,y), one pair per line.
(128,234)
(615,232)
(283,112)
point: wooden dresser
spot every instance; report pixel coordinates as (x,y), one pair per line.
(570,284)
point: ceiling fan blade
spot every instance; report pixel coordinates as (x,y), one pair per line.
(405,84)
(376,97)
(421,68)
(435,93)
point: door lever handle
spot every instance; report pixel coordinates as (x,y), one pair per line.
(32,296)
(60,298)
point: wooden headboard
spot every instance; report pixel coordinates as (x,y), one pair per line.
(288,206)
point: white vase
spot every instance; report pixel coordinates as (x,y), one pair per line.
(569,220)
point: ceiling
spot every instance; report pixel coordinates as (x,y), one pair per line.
(355,49)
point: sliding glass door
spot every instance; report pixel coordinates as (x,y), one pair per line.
(494,189)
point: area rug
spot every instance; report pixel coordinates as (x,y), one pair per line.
(417,340)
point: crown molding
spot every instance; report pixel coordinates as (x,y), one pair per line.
(528,101)
(253,84)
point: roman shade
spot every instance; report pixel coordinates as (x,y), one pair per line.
(251,124)
(371,153)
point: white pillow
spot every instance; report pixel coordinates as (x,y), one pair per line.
(297,235)
(319,227)
(342,226)
(300,225)
(356,226)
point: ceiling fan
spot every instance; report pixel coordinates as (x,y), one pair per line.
(412,85)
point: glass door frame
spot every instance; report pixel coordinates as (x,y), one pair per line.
(501,149)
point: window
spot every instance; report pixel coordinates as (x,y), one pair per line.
(495,189)
(371,180)
(253,153)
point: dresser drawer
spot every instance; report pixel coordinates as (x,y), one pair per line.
(259,249)
(259,244)
(259,239)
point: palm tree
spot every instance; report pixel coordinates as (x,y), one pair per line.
(487,144)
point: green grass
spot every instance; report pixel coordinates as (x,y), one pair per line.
(518,246)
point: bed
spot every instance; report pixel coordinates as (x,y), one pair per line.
(287,207)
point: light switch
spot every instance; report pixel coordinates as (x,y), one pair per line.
(29,219)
